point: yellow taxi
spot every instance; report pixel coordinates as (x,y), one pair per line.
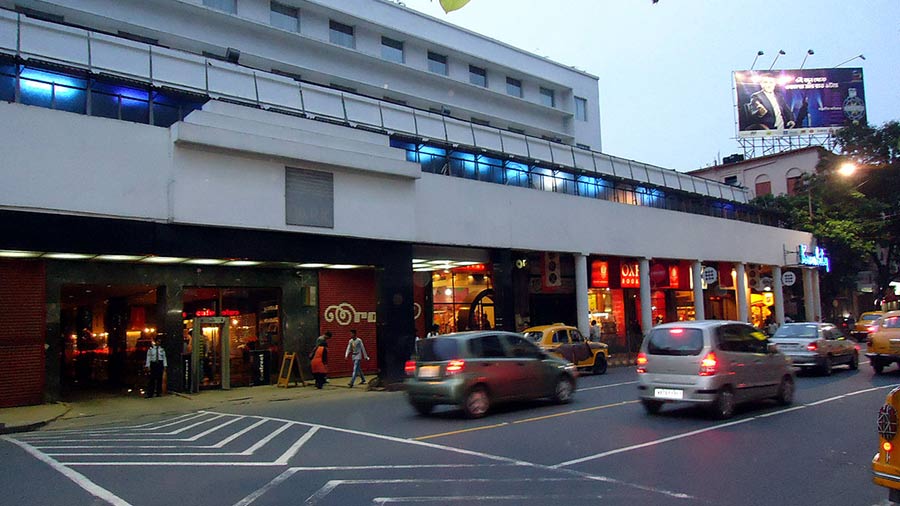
(862,326)
(886,465)
(883,343)
(567,342)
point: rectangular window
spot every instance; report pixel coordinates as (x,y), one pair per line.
(309,198)
(341,34)
(229,6)
(580,109)
(792,183)
(285,17)
(392,50)
(731,180)
(513,87)
(478,76)
(437,63)
(548,97)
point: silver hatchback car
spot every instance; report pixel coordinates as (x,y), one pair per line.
(716,363)
(816,345)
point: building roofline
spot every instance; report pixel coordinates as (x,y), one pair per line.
(758,159)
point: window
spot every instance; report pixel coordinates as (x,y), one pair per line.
(561,336)
(741,339)
(763,188)
(309,198)
(437,63)
(285,17)
(520,348)
(341,34)
(731,180)
(513,87)
(229,6)
(580,109)
(487,347)
(792,183)
(477,76)
(679,342)
(392,50)
(548,97)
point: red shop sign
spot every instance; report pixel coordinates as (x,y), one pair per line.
(631,276)
(599,274)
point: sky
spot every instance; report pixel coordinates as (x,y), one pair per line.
(665,69)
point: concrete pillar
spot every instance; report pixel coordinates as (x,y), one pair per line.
(699,301)
(646,299)
(743,304)
(778,292)
(581,294)
(808,295)
(817,295)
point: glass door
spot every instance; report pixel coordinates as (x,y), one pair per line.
(210,354)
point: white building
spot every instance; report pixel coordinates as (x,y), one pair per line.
(776,174)
(239,176)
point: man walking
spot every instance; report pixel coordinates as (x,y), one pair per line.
(358,351)
(156,363)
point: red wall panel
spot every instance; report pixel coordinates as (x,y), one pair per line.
(347,301)
(23,309)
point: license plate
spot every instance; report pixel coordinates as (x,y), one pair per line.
(668,393)
(429,371)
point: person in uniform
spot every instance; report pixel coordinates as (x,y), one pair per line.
(156,363)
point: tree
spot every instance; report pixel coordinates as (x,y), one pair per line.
(855,218)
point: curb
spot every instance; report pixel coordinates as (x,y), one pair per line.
(31,427)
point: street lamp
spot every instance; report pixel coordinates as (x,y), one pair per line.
(861,57)
(780,52)
(847,169)
(758,54)
(808,53)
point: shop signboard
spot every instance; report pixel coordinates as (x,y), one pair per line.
(788,278)
(806,101)
(599,274)
(631,276)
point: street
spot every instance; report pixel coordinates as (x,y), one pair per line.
(371,448)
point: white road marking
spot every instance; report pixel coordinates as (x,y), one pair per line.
(287,455)
(608,386)
(102,437)
(78,478)
(714,427)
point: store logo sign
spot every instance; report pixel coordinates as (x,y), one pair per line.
(631,275)
(817,258)
(345,314)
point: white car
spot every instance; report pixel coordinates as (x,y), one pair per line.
(816,345)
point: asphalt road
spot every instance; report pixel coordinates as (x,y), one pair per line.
(371,448)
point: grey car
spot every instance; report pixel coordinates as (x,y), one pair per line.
(715,363)
(816,345)
(474,370)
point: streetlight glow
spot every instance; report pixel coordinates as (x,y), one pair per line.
(847,169)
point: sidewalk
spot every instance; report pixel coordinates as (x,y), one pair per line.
(110,408)
(98,409)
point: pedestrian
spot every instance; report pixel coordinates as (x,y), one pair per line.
(324,337)
(318,361)
(594,335)
(435,331)
(156,363)
(358,351)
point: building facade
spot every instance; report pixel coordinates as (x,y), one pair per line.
(237,177)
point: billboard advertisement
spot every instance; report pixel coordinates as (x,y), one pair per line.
(798,102)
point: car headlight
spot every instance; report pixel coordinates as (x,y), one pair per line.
(570,367)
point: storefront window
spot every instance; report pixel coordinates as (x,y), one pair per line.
(463,299)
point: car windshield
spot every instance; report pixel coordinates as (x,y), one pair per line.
(892,322)
(808,331)
(871,317)
(675,341)
(534,337)
(438,349)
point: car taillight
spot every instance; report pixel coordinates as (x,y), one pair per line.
(456,366)
(641,363)
(812,346)
(410,367)
(709,364)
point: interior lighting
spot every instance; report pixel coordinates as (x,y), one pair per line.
(8,253)
(119,258)
(448,292)
(163,260)
(311,266)
(68,256)
(342,266)
(242,263)
(419,260)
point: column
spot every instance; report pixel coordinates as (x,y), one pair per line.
(778,292)
(699,302)
(646,299)
(817,295)
(743,305)
(581,294)
(808,303)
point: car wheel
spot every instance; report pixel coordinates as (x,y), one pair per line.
(827,366)
(786,391)
(477,403)
(564,390)
(651,407)
(723,406)
(599,364)
(878,366)
(854,362)
(423,408)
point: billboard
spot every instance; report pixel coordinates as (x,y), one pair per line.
(798,102)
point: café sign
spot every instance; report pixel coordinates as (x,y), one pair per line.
(815,258)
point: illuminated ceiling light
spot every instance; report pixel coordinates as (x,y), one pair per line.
(311,266)
(242,263)
(119,258)
(342,266)
(68,256)
(462,264)
(205,261)
(448,292)
(423,269)
(8,253)
(419,260)
(163,260)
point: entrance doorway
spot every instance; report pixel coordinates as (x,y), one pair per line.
(210,352)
